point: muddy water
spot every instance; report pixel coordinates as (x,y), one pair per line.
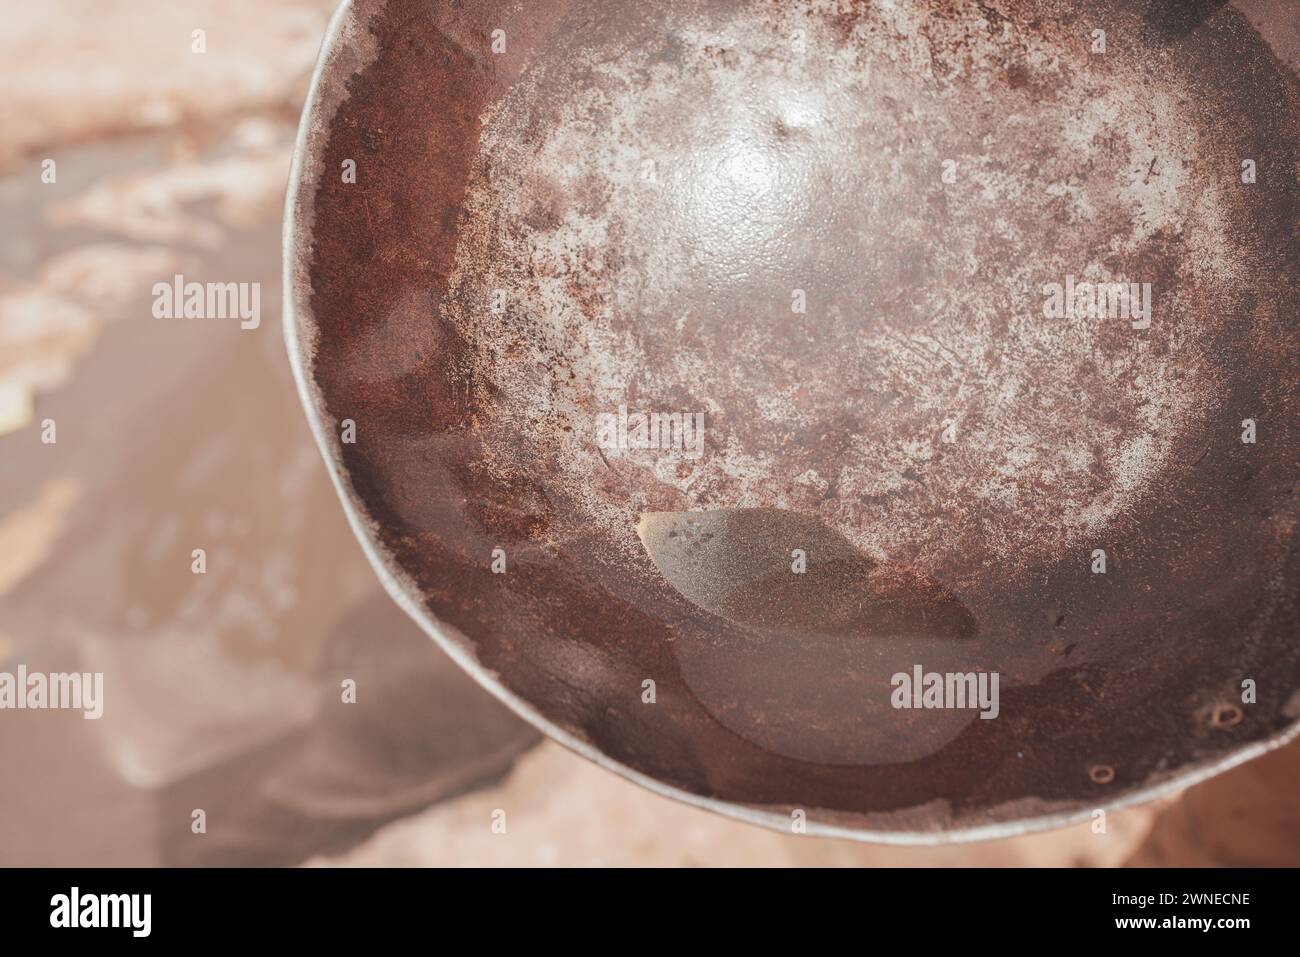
(222,690)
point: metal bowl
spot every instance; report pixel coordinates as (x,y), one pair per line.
(878,419)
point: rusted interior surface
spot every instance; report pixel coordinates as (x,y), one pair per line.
(624,207)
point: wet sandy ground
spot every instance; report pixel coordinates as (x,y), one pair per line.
(223,689)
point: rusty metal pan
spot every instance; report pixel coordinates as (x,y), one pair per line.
(704,377)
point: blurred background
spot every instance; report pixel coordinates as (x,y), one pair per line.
(222,690)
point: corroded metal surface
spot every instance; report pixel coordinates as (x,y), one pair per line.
(830,229)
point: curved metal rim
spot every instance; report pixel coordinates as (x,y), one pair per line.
(294,313)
